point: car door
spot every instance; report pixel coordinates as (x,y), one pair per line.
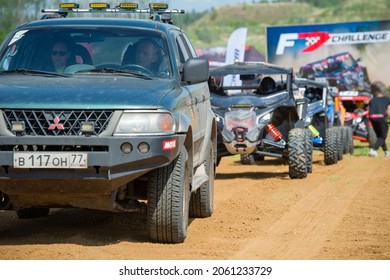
(200,96)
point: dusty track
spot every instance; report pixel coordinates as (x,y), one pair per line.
(338,212)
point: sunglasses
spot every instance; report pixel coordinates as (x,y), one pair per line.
(60,53)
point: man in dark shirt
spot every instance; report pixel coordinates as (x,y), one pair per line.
(379,110)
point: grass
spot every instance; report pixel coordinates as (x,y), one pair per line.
(214,27)
(361,148)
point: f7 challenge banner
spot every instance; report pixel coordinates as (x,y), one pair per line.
(349,55)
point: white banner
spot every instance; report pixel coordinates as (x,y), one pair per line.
(235,52)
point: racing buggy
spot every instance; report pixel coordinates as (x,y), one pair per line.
(107,133)
(257,115)
(356,115)
(317,109)
(341,70)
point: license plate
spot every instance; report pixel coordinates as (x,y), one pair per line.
(50,160)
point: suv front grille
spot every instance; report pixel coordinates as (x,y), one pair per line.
(58,122)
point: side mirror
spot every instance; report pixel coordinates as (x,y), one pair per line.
(196,70)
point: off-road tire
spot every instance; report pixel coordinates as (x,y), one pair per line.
(297,153)
(168,201)
(340,142)
(258,157)
(331,149)
(349,147)
(32,213)
(309,149)
(247,159)
(345,140)
(202,200)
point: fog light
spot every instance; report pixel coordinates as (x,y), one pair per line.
(143,148)
(87,127)
(18,127)
(126,148)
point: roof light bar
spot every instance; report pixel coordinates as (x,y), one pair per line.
(128,6)
(99,6)
(158,6)
(69,6)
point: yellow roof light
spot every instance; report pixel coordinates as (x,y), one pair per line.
(69,6)
(128,6)
(158,6)
(99,6)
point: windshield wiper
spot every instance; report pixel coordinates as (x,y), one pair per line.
(37,72)
(119,71)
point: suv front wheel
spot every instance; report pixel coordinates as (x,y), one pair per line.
(168,201)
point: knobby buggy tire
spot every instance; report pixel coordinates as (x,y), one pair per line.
(168,201)
(331,149)
(32,213)
(309,149)
(351,147)
(297,153)
(348,140)
(202,200)
(247,159)
(340,142)
(250,159)
(345,139)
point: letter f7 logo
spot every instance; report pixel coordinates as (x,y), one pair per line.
(314,40)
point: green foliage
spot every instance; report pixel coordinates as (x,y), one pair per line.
(219,23)
(16,12)
(323,3)
(213,27)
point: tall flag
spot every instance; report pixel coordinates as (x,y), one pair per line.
(235,53)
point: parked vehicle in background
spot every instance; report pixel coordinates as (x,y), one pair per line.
(317,110)
(356,115)
(107,134)
(340,70)
(257,115)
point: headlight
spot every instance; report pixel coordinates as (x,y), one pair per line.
(145,123)
(240,118)
(308,121)
(266,118)
(219,119)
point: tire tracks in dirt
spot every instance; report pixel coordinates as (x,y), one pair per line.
(302,232)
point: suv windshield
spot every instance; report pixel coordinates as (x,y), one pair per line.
(87,49)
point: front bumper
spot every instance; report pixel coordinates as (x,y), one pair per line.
(108,167)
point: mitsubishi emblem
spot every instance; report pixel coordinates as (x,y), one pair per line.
(56,124)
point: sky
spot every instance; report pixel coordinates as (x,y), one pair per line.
(202,5)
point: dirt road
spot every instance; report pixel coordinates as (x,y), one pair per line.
(338,212)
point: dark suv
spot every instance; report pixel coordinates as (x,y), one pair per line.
(106,134)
